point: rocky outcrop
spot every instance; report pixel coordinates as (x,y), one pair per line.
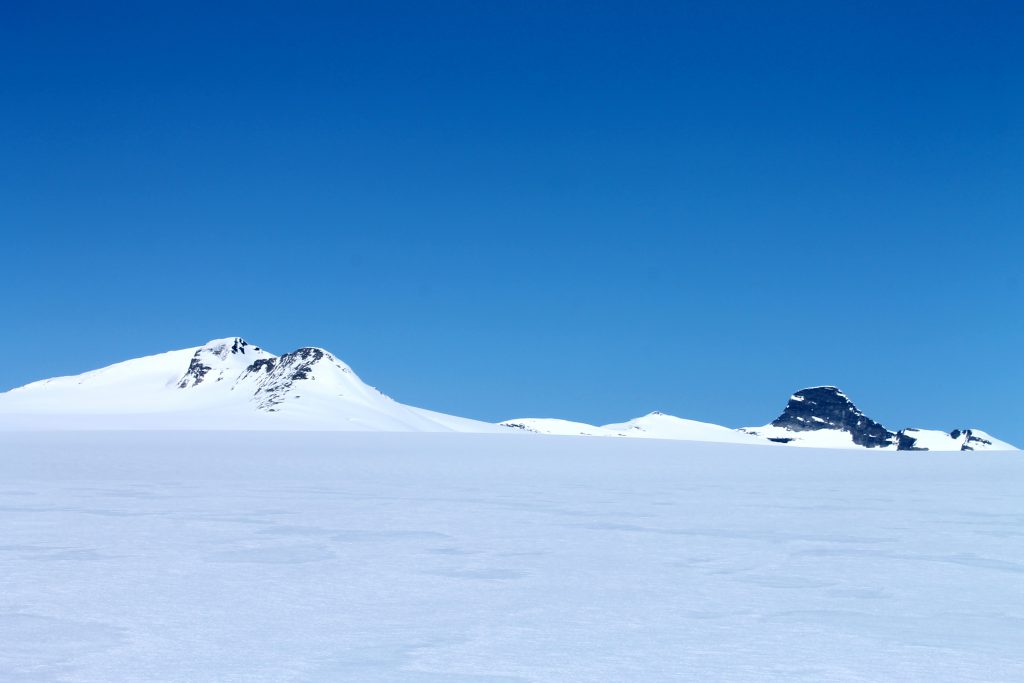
(819,408)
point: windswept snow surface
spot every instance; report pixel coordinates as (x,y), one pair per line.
(219,557)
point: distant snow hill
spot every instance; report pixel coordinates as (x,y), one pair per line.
(654,425)
(224,384)
(818,417)
(231,384)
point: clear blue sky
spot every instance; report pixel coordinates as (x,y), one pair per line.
(584,210)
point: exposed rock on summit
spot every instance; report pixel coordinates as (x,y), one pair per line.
(829,408)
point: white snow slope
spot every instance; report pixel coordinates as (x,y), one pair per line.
(654,425)
(658,425)
(319,557)
(556,426)
(974,439)
(821,438)
(224,384)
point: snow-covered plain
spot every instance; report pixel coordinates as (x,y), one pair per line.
(301,556)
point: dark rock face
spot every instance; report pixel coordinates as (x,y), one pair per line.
(195,374)
(971,441)
(905,442)
(282,373)
(829,408)
(299,364)
(262,365)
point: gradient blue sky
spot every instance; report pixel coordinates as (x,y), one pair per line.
(584,210)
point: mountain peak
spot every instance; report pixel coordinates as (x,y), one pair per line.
(228,345)
(218,357)
(827,407)
(301,362)
(277,377)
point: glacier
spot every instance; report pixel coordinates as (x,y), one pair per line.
(223,556)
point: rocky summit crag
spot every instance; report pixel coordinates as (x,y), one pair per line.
(825,416)
(829,408)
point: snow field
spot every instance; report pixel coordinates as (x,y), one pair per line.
(286,557)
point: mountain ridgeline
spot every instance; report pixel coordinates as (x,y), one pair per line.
(232,384)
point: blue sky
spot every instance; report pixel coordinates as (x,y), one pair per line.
(584,210)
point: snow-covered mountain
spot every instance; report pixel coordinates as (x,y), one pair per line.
(558,427)
(224,384)
(817,417)
(232,384)
(825,417)
(656,425)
